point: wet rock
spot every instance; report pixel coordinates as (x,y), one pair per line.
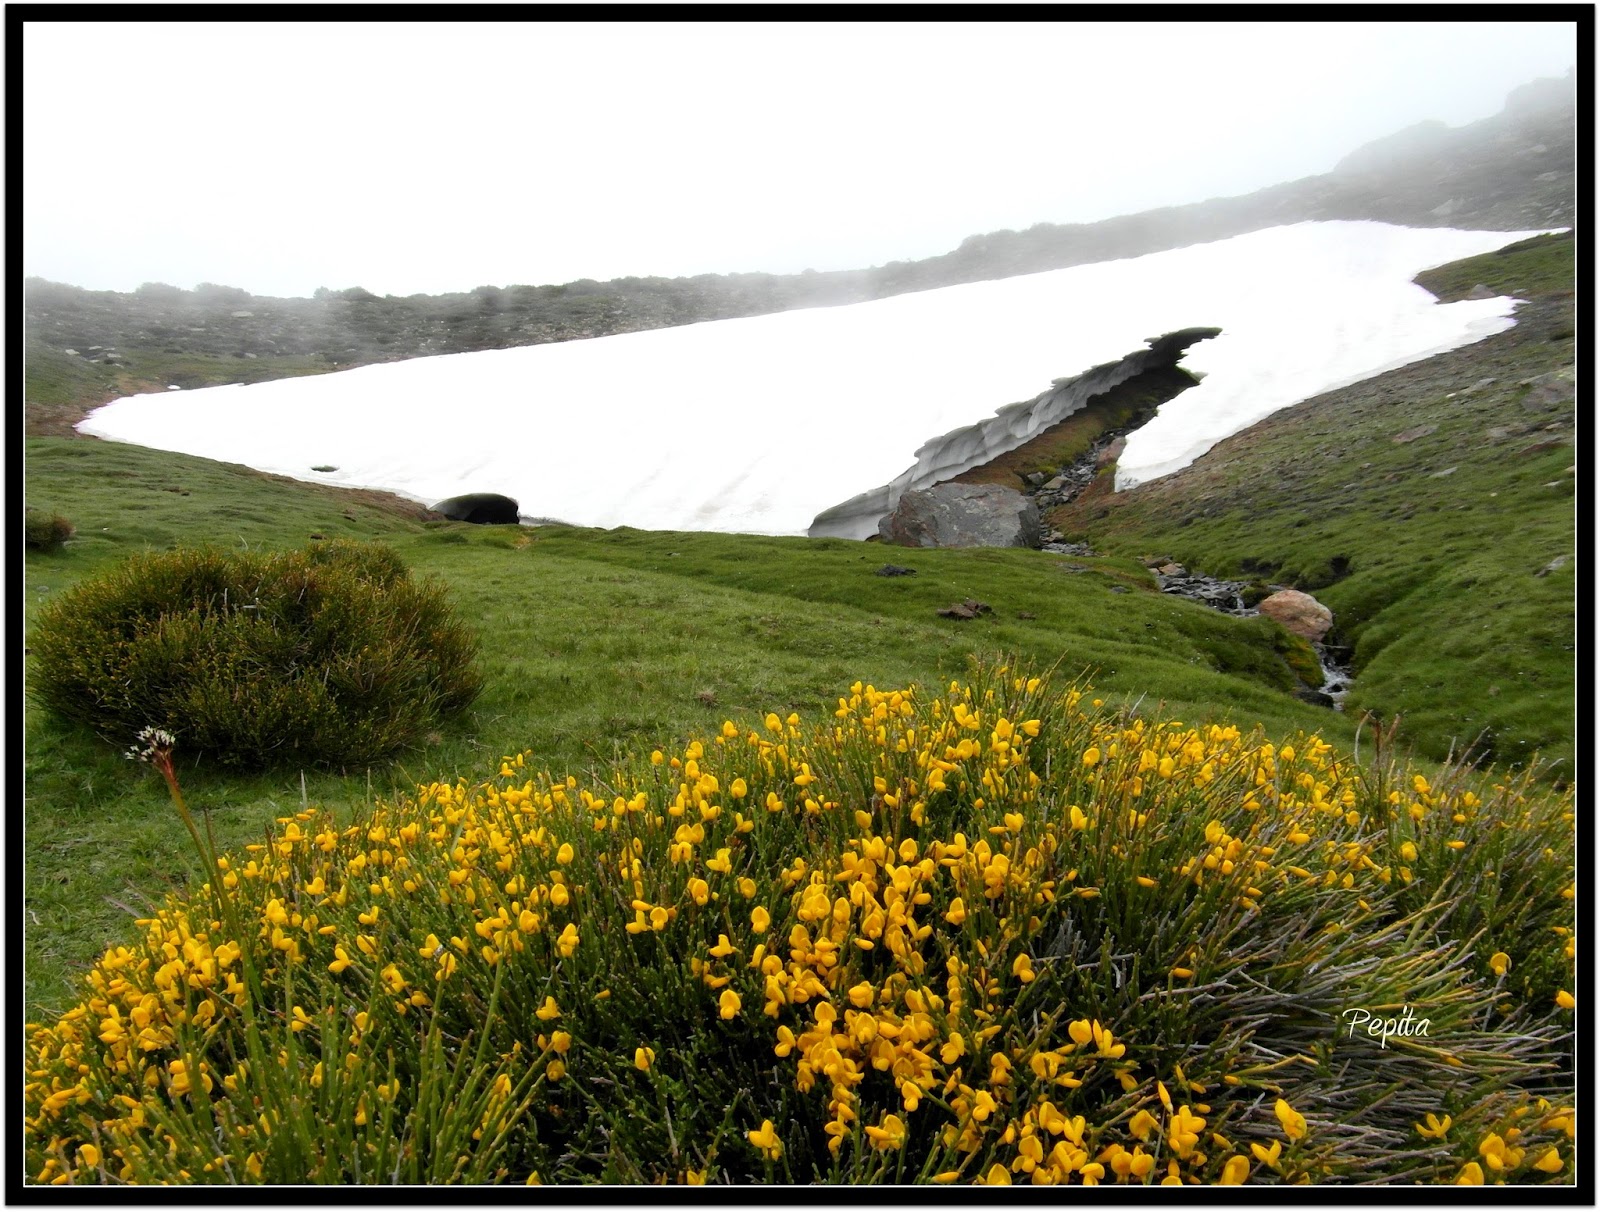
(894,570)
(963,515)
(1298,612)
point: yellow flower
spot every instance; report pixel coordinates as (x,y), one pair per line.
(1079,820)
(1565,1000)
(643,1058)
(729,1004)
(861,995)
(957,913)
(1266,1156)
(1471,1175)
(568,942)
(1550,1162)
(1234,1171)
(548,1011)
(1022,967)
(1436,1127)
(1091,756)
(91,1155)
(699,891)
(998,1176)
(561,1041)
(1498,1155)
(738,789)
(890,1135)
(1143,1124)
(1499,963)
(564,855)
(760,919)
(555,1071)
(1294,1124)
(766,1139)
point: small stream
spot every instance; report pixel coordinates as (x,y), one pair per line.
(1228,597)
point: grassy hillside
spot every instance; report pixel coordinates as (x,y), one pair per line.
(1432,508)
(592,640)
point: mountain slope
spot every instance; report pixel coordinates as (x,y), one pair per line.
(1431,508)
(1513,171)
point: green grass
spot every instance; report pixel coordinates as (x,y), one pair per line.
(1429,551)
(1537,266)
(55,378)
(593,640)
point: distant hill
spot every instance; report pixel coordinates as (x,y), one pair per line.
(1513,171)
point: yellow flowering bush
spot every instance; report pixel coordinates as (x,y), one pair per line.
(1001,934)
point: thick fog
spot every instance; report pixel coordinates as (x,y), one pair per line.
(428,158)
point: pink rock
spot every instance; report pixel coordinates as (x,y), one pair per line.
(1298,612)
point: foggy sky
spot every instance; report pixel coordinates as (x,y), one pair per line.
(425,157)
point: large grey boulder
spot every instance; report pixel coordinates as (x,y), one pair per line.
(963,515)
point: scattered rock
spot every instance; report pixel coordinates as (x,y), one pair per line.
(1056,484)
(1412,434)
(1035,479)
(894,570)
(1023,614)
(1546,391)
(1172,570)
(1541,447)
(1480,291)
(1071,549)
(1298,612)
(1439,475)
(1119,589)
(970,608)
(1552,566)
(963,515)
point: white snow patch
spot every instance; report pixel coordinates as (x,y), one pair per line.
(757,425)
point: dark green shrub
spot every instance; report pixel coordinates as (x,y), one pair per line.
(330,656)
(46,531)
